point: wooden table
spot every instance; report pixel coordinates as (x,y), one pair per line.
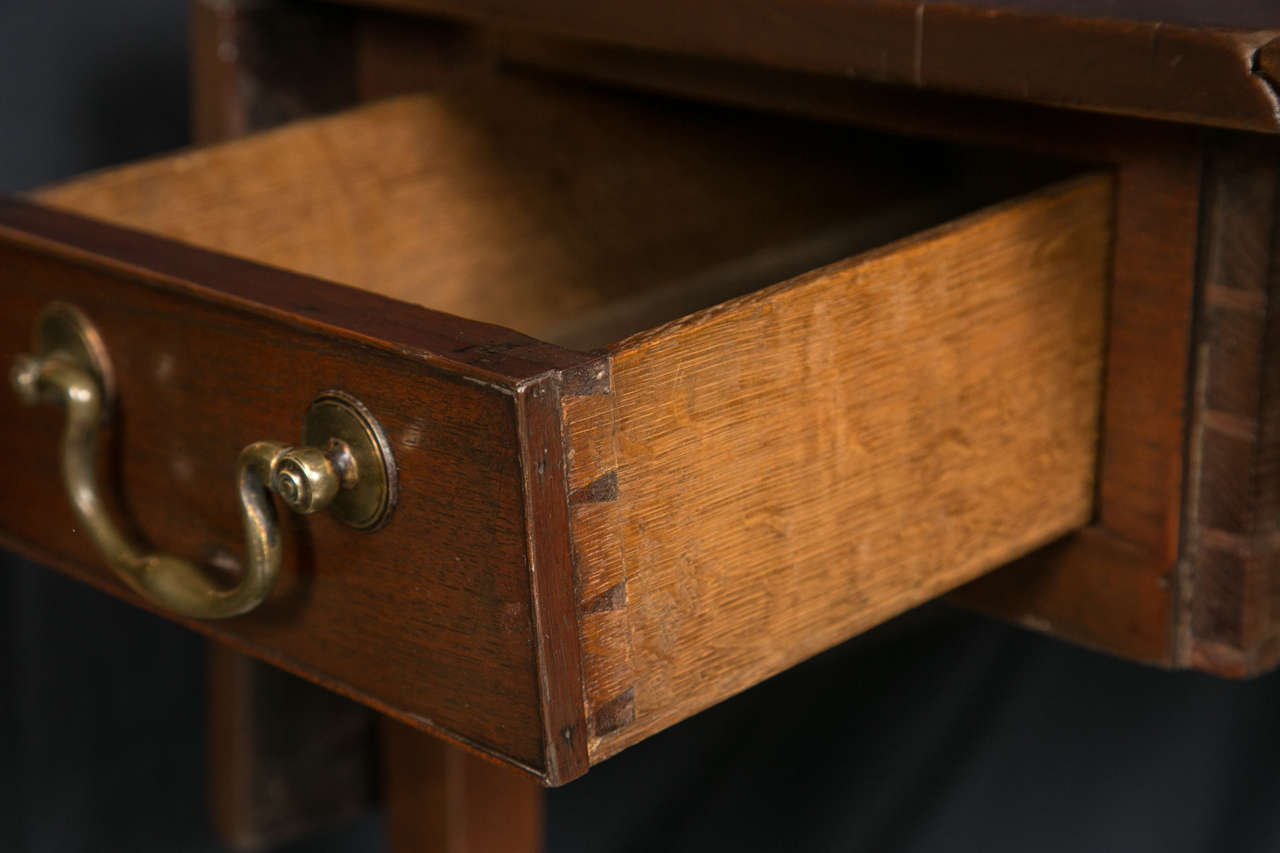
(1013,344)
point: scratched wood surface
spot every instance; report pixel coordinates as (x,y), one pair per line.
(770,476)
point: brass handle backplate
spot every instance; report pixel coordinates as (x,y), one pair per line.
(344,464)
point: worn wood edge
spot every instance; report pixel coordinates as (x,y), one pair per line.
(473,351)
(555,617)
(1189,74)
(1168,71)
(600,586)
(1266,64)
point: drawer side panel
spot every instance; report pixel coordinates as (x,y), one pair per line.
(798,465)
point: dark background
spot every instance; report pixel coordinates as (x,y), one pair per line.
(939,732)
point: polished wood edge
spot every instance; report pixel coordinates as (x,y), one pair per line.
(106,583)
(559,656)
(1185,73)
(470,350)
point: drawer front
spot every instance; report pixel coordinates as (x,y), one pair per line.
(430,617)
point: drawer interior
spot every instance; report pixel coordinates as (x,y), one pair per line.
(575,215)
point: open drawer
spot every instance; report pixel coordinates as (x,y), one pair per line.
(784,382)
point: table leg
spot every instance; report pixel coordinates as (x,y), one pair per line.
(439,797)
(286,758)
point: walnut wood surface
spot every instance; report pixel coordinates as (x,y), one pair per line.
(796,465)
(1197,63)
(428,619)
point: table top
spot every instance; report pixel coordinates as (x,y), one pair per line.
(1192,61)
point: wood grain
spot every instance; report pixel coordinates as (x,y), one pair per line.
(799,464)
(578,215)
(1093,592)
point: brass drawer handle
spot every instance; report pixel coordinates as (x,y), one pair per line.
(345,464)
